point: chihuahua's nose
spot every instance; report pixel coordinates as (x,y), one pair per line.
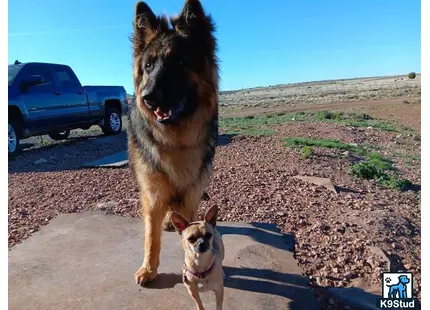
(202,247)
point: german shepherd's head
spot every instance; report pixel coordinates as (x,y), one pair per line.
(175,67)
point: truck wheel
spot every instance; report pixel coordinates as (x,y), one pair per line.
(59,135)
(113,122)
(13,139)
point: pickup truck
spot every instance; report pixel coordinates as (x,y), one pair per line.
(47,98)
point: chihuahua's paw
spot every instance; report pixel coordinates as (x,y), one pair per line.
(143,275)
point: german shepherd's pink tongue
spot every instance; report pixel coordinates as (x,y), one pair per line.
(161,115)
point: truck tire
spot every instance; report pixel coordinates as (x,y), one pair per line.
(59,135)
(113,122)
(13,139)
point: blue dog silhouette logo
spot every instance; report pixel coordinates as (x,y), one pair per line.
(397,285)
(399,290)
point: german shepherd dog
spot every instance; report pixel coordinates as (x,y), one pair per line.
(173,125)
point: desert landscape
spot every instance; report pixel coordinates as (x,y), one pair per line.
(363,134)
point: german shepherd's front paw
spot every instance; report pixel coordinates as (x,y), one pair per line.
(144,276)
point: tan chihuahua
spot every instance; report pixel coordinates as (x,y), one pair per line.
(204,254)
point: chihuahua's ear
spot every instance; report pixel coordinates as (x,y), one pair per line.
(211,215)
(179,222)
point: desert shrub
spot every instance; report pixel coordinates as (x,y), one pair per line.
(307,151)
(393,182)
(379,161)
(327,115)
(367,170)
(376,169)
(412,75)
(360,116)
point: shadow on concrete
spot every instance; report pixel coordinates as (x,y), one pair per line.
(267,282)
(357,298)
(265,233)
(165,280)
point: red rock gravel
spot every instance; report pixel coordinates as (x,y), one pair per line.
(337,235)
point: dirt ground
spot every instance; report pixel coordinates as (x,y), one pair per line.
(341,238)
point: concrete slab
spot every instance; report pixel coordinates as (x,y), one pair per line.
(88,261)
(356,297)
(325,182)
(115,160)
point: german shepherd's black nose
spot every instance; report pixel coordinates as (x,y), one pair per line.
(152,97)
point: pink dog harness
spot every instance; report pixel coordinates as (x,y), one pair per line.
(200,275)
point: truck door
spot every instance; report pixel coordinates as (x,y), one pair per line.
(40,100)
(73,96)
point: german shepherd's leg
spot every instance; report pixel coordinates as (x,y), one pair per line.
(153,217)
(187,211)
(190,206)
(191,214)
(167,223)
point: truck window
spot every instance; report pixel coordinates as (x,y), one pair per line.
(64,76)
(13,72)
(40,70)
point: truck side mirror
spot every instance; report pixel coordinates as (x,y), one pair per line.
(32,81)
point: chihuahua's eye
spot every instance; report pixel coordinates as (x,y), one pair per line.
(208,235)
(192,239)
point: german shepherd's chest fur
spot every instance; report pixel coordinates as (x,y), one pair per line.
(184,159)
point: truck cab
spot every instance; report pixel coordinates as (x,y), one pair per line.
(47,98)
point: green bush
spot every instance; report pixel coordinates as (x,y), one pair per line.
(323,115)
(367,170)
(412,75)
(306,151)
(392,182)
(360,116)
(375,169)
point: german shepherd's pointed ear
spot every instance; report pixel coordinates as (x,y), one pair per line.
(192,15)
(211,215)
(145,24)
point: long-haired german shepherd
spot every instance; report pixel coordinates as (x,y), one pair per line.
(173,126)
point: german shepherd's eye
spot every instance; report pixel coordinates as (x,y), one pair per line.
(149,66)
(192,239)
(207,236)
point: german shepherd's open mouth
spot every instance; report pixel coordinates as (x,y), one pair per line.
(168,116)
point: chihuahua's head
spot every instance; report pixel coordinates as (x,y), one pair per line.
(197,237)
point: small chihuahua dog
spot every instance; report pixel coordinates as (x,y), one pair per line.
(204,254)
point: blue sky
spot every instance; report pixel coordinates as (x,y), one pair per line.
(282,41)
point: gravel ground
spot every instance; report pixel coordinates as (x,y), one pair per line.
(340,238)
(337,235)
